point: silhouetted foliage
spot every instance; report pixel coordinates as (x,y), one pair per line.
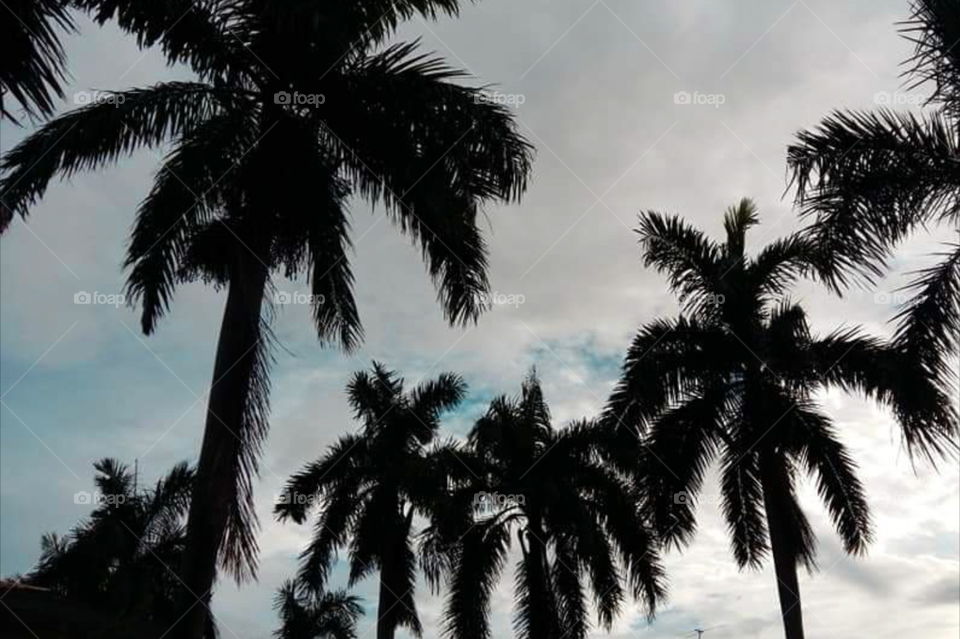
(369,485)
(124,559)
(734,380)
(871,179)
(296,107)
(316,615)
(32,67)
(581,533)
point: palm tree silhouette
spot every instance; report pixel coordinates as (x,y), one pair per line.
(327,615)
(257,182)
(32,71)
(735,380)
(123,559)
(369,485)
(577,521)
(871,179)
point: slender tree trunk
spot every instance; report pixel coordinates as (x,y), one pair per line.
(775,497)
(393,583)
(215,488)
(543,621)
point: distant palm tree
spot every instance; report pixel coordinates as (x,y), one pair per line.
(369,485)
(296,108)
(871,179)
(578,523)
(124,559)
(735,379)
(327,615)
(32,72)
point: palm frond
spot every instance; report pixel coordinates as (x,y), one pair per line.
(479,560)
(433,152)
(837,483)
(929,325)
(188,191)
(33,68)
(94,135)
(238,552)
(742,507)
(691,261)
(870,178)
(928,421)
(191,32)
(666,360)
(934,28)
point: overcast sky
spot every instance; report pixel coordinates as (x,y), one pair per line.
(600,88)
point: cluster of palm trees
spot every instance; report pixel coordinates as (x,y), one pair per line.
(732,380)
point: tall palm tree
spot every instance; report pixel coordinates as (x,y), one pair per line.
(871,179)
(257,182)
(32,70)
(327,615)
(735,378)
(124,558)
(369,485)
(577,521)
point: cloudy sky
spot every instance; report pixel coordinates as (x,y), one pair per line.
(682,107)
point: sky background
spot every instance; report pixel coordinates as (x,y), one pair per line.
(593,86)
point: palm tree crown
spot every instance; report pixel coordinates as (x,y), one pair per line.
(327,615)
(369,485)
(578,523)
(734,379)
(871,179)
(124,558)
(296,106)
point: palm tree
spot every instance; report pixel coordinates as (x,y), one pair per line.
(296,107)
(123,559)
(735,378)
(327,615)
(32,70)
(871,179)
(577,521)
(369,485)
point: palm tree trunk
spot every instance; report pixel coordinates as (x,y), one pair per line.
(386,602)
(543,620)
(775,497)
(393,584)
(215,488)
